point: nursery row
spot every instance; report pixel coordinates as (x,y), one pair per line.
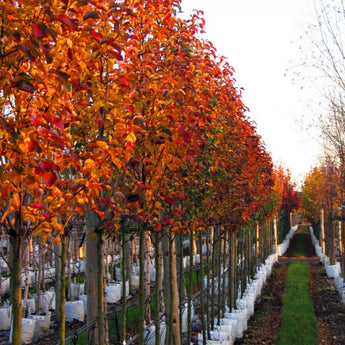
(242,258)
(120,121)
(333,271)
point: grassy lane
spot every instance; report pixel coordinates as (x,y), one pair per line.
(300,246)
(299,324)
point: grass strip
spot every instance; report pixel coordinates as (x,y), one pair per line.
(301,247)
(299,324)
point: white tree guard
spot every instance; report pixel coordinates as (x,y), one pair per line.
(42,324)
(74,311)
(5,318)
(28,329)
(150,334)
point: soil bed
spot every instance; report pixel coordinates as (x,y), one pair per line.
(329,310)
(264,325)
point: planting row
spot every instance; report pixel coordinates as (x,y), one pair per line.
(332,271)
(230,267)
(234,323)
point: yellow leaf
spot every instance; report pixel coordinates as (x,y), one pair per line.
(58,227)
(16,200)
(31,218)
(158,204)
(131,137)
(116,161)
(102,144)
(82,199)
(89,165)
(43,237)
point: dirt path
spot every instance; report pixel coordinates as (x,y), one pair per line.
(330,312)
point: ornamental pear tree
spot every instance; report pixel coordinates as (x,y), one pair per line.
(119,113)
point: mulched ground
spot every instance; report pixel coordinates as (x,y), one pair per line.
(330,312)
(328,309)
(265,324)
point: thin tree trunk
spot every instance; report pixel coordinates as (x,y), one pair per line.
(27,277)
(208,285)
(124,299)
(174,297)
(224,257)
(142,292)
(343,244)
(96,306)
(38,285)
(257,243)
(189,291)
(148,277)
(166,283)
(230,271)
(156,315)
(234,259)
(16,266)
(332,242)
(202,300)
(213,275)
(275,234)
(57,253)
(322,228)
(92,287)
(107,263)
(180,274)
(100,290)
(62,291)
(219,273)
(246,258)
(129,260)
(69,273)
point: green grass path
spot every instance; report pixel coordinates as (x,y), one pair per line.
(299,323)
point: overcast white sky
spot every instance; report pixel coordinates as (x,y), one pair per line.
(261,40)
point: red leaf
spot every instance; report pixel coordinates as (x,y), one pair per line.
(58,123)
(116,54)
(24,85)
(125,81)
(48,165)
(100,213)
(69,53)
(49,178)
(96,34)
(39,30)
(64,20)
(46,215)
(166,221)
(157,227)
(107,40)
(167,16)
(169,200)
(58,141)
(31,145)
(38,205)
